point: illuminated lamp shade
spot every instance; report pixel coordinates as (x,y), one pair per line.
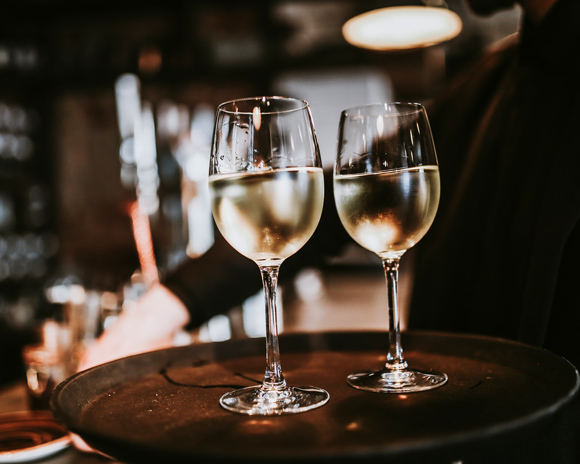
(402,28)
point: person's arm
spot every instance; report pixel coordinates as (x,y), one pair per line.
(203,287)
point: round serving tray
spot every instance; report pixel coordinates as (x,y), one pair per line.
(163,406)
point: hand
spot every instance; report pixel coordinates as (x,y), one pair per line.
(151,325)
(80,445)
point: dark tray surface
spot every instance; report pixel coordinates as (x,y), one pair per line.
(164,405)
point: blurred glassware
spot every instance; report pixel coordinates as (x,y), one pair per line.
(45,365)
(80,321)
(192,154)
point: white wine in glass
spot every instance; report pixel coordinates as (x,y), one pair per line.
(268,216)
(386,189)
(267,189)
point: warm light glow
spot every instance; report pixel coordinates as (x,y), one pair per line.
(353,426)
(144,243)
(402,28)
(257,117)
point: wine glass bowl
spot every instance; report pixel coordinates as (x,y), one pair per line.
(386,190)
(267,189)
(388,212)
(255,215)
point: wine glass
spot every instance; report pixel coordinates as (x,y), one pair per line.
(267,189)
(386,188)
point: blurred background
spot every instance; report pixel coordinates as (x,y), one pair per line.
(74,162)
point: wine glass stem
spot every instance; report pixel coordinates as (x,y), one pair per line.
(395,355)
(273,378)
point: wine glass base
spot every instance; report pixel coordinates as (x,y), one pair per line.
(287,400)
(397,381)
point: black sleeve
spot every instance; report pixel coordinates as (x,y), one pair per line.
(222,278)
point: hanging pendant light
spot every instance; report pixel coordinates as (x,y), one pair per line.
(402,28)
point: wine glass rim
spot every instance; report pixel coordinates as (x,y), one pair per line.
(302,104)
(357,111)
